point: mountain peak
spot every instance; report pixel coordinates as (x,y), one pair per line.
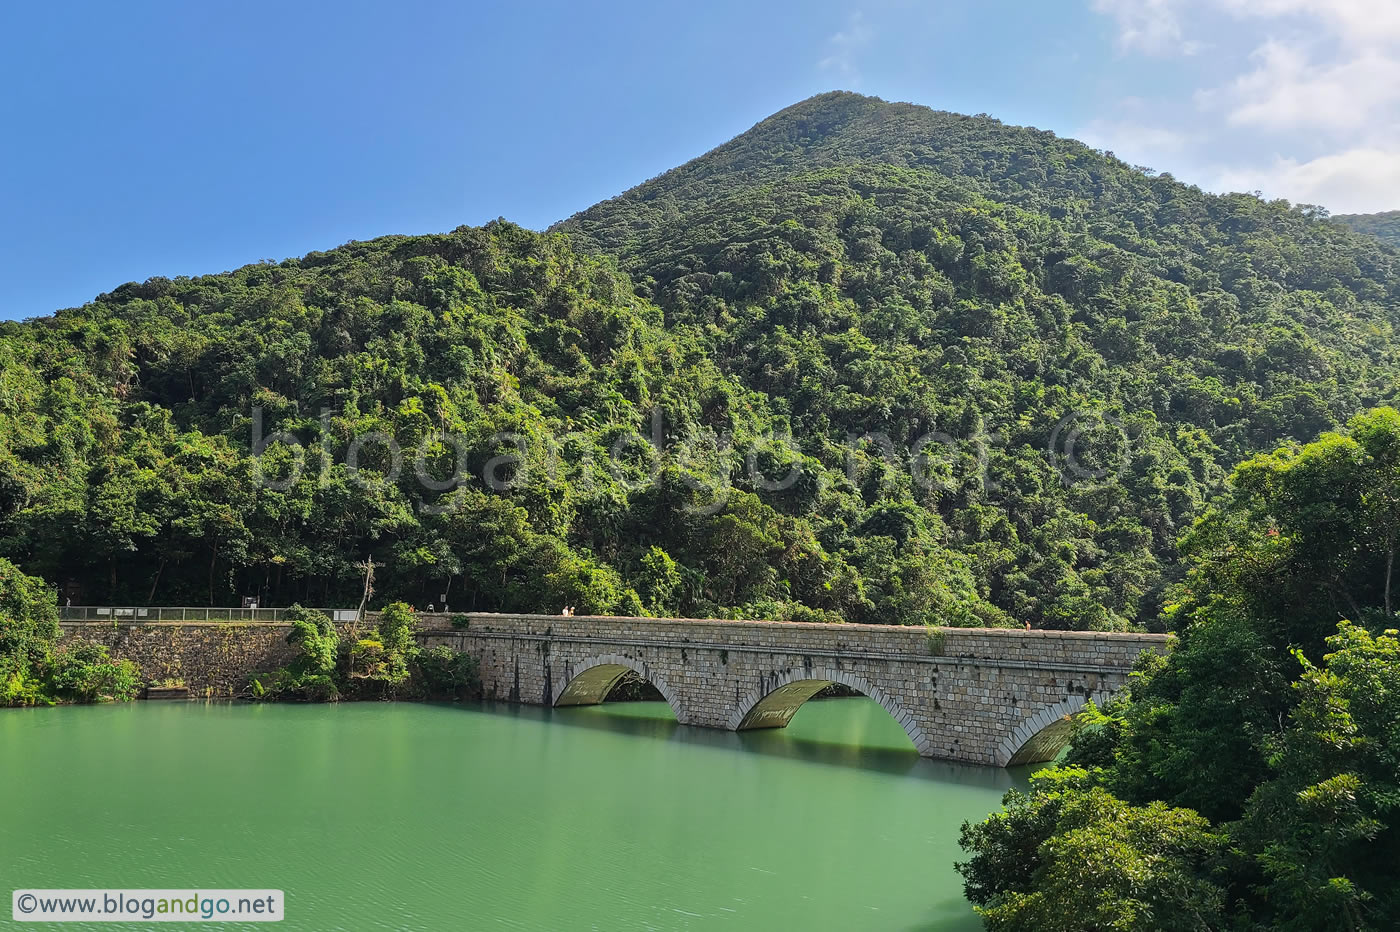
(848,123)
(843,130)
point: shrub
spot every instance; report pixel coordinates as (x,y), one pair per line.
(33,670)
(87,673)
(19,687)
(443,673)
(312,672)
(380,664)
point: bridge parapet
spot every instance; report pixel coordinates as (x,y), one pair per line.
(1079,649)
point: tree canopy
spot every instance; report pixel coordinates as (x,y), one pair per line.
(1249,778)
(1384,226)
(866,362)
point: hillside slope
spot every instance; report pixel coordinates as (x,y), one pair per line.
(194,440)
(884,268)
(867,362)
(1384,226)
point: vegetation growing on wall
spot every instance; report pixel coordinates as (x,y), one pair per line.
(386,663)
(34,668)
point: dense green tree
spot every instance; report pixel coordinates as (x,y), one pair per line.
(1068,857)
(1273,716)
(28,628)
(866,362)
(36,669)
(1306,537)
(1323,828)
(1385,226)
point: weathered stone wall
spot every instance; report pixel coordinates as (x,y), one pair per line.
(988,696)
(965,694)
(213,658)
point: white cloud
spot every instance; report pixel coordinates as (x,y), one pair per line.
(1288,90)
(1136,143)
(1318,84)
(1361,180)
(1157,26)
(1359,22)
(1152,26)
(845,46)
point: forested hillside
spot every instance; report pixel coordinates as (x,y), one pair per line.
(1385,226)
(885,268)
(866,362)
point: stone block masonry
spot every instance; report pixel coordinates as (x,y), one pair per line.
(213,658)
(988,696)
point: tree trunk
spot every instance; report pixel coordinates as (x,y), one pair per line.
(1389,568)
(213,561)
(156,582)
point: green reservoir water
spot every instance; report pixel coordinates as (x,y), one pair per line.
(405,816)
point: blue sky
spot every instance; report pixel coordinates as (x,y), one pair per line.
(147,139)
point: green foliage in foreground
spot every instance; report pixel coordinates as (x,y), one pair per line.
(1067,855)
(34,668)
(1251,778)
(387,663)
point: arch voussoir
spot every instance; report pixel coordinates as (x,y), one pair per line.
(575,670)
(902,716)
(1034,725)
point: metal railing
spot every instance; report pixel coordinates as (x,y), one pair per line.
(149,613)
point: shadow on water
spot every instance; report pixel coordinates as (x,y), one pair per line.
(655,721)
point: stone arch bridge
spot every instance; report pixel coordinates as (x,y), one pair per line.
(988,696)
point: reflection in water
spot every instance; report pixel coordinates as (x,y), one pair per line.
(425,817)
(848,732)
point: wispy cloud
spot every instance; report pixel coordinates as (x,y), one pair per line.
(1135,142)
(1292,88)
(844,48)
(1317,89)
(1361,180)
(1359,22)
(1151,26)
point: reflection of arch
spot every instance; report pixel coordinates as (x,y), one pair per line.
(775,702)
(597,676)
(1042,736)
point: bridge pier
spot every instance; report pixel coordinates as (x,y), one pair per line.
(988,696)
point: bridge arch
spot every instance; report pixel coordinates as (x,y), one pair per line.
(589,681)
(1042,736)
(776,700)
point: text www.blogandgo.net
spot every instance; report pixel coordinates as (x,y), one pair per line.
(119,905)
